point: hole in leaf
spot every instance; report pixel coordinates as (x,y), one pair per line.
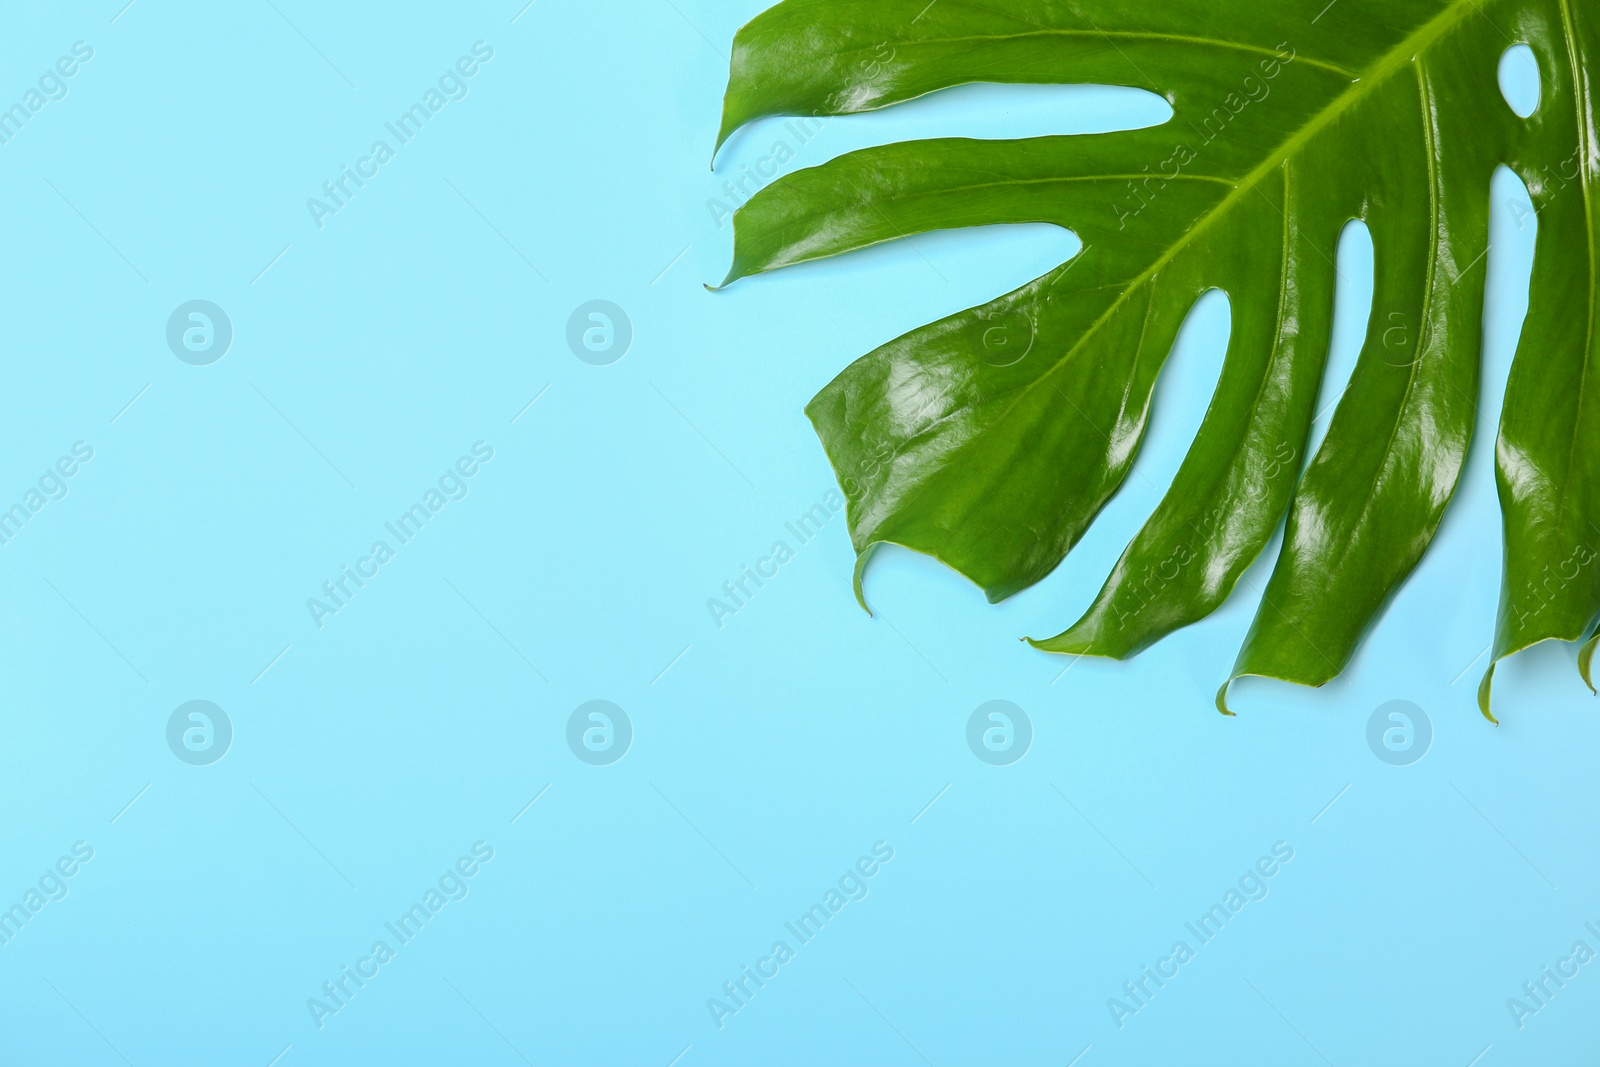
(1182,398)
(1463,541)
(990,111)
(1513,238)
(984,111)
(1352,313)
(1185,389)
(1519,79)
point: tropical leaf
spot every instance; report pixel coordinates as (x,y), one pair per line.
(992,438)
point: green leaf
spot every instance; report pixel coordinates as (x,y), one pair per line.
(992,438)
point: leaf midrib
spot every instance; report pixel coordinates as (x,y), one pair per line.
(1394,60)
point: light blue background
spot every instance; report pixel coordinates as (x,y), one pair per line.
(769,754)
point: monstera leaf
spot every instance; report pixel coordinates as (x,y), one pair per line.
(991,439)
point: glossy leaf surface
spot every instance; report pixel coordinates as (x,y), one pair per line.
(992,438)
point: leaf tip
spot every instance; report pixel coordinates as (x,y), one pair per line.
(729,126)
(860,575)
(734,274)
(1063,644)
(1485,688)
(1222,699)
(1586,662)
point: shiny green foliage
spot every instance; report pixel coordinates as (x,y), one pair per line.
(992,438)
